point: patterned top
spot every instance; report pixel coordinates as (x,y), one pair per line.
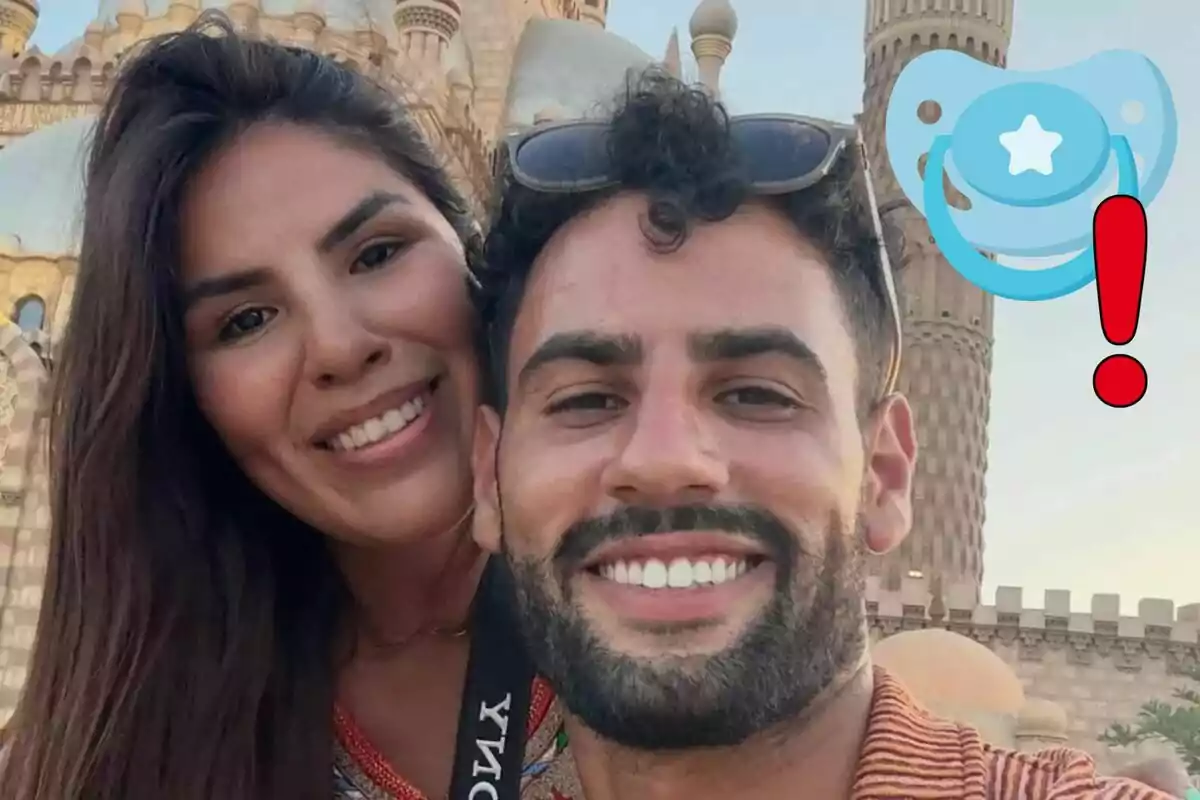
(361,773)
(907,754)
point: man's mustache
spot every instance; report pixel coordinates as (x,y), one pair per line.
(630,522)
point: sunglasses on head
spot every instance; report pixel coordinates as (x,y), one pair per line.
(780,153)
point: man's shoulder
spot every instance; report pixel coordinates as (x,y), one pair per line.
(1057,773)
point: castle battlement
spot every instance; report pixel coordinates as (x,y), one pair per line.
(1156,618)
(1158,630)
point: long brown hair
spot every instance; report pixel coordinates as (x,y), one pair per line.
(186,644)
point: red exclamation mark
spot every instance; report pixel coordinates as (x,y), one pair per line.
(1119,236)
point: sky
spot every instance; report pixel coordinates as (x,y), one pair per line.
(1080,496)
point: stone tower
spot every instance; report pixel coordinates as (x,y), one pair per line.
(426,28)
(947,321)
(17,21)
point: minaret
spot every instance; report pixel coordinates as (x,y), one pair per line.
(594,11)
(713,26)
(426,27)
(947,362)
(672,61)
(18,18)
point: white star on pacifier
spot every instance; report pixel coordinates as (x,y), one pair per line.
(1030,147)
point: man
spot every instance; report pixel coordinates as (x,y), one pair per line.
(695,443)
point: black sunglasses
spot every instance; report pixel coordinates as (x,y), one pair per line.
(781,154)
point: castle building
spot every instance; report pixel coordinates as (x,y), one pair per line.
(947,360)
(472,69)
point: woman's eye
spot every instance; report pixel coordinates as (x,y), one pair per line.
(587,402)
(375,256)
(756,397)
(245,322)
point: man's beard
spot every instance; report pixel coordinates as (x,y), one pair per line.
(809,634)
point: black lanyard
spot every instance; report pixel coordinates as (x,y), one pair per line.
(489,754)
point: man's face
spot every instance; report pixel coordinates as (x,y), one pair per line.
(680,484)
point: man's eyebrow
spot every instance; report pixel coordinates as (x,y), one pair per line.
(733,344)
(356,217)
(225,284)
(594,348)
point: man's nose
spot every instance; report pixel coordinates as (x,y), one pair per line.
(669,455)
(340,346)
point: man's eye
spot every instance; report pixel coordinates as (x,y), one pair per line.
(375,256)
(587,401)
(756,396)
(245,322)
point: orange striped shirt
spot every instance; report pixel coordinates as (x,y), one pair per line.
(908,754)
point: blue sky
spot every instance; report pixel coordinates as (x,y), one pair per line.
(1080,496)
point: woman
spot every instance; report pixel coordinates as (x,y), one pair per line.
(260,571)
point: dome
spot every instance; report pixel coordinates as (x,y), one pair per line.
(948,672)
(44,173)
(1042,719)
(575,66)
(714,18)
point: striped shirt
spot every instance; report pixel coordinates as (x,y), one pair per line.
(908,754)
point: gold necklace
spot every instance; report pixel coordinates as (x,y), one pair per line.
(393,645)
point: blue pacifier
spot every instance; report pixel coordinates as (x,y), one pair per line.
(1034,154)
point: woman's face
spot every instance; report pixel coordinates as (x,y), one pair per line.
(329,334)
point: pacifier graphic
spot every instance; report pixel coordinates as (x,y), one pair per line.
(1032,153)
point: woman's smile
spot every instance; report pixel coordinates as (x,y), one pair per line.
(389,429)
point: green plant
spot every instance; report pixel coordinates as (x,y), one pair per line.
(1177,724)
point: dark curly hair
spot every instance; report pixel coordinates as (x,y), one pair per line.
(672,143)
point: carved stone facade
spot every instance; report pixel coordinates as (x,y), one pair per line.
(1098,667)
(947,321)
(24,511)
(17,21)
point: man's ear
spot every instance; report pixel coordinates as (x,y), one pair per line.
(891,460)
(486,525)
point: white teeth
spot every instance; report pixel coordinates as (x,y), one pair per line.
(681,573)
(373,430)
(654,574)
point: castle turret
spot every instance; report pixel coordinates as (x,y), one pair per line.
(713,27)
(426,27)
(947,321)
(594,11)
(18,18)
(672,61)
